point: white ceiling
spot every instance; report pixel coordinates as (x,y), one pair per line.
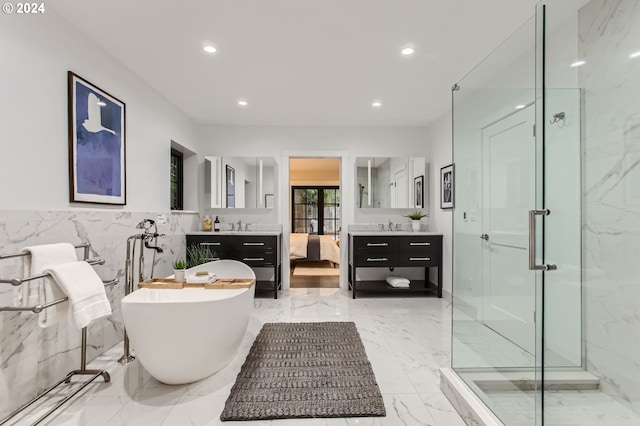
(300,62)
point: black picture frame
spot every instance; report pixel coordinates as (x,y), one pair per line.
(231,186)
(447,187)
(97,144)
(418,192)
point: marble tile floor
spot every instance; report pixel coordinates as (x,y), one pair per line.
(407,341)
(562,408)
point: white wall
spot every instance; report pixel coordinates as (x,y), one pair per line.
(36,55)
(440,154)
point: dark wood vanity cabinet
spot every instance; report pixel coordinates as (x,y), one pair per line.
(260,251)
(391,251)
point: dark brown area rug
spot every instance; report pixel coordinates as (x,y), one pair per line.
(303,370)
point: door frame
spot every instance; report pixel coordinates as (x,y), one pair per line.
(347,206)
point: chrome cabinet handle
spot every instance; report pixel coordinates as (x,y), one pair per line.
(420,244)
(377,244)
(253,258)
(210,244)
(377,259)
(532,242)
(419,258)
(252,244)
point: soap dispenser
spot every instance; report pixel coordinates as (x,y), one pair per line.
(216,225)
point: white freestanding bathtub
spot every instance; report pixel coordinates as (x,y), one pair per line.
(184,335)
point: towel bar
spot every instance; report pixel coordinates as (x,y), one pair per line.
(83,354)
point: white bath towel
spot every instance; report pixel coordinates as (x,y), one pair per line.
(83,286)
(201,279)
(45,290)
(398,282)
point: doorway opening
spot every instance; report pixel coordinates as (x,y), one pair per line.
(316,222)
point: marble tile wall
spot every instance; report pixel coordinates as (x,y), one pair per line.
(33,358)
(609,31)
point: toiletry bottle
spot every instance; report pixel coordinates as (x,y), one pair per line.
(216,225)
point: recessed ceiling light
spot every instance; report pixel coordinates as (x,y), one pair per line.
(635,54)
(210,49)
(520,106)
(578,63)
(376,104)
(408,51)
(242,103)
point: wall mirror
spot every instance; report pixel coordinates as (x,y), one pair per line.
(390,182)
(241,182)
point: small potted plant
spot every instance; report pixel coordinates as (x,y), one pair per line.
(415,219)
(179,267)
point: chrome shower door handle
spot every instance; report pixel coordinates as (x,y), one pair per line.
(485,237)
(532,242)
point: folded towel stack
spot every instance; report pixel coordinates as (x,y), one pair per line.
(398,282)
(201,279)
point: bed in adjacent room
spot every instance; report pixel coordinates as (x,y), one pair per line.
(311,247)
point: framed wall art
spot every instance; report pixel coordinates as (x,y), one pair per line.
(447,194)
(418,192)
(231,186)
(97,150)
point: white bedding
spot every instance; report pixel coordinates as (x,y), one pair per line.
(329,250)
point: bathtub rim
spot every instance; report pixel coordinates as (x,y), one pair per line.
(138,296)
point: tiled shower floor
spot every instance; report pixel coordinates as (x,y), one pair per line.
(562,408)
(407,341)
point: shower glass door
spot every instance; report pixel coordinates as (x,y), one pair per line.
(517,225)
(497,341)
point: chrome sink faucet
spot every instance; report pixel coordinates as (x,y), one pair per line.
(390,225)
(239,223)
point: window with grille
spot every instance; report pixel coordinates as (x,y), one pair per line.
(176,180)
(316,210)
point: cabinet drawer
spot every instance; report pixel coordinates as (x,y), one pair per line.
(418,259)
(257,259)
(419,243)
(372,242)
(213,242)
(374,258)
(255,242)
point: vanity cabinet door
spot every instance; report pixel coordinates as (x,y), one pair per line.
(217,244)
(373,258)
(382,243)
(256,250)
(421,250)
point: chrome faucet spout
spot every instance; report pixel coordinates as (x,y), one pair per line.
(390,225)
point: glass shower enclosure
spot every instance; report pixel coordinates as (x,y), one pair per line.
(546,146)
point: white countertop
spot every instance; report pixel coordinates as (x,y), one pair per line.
(398,233)
(249,233)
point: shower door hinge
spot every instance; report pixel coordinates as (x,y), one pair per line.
(534,317)
(534,130)
(455,87)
